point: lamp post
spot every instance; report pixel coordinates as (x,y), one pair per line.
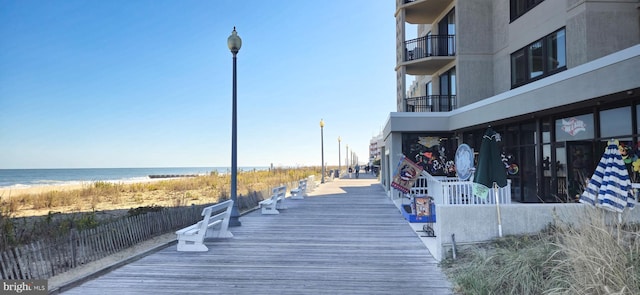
(234,42)
(346,161)
(322,147)
(339,139)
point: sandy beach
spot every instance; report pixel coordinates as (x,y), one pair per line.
(16,191)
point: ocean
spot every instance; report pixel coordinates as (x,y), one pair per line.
(25,178)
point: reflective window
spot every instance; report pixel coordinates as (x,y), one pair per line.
(615,122)
(546,132)
(575,128)
(518,68)
(638,121)
(520,7)
(556,51)
(539,59)
(528,133)
(510,136)
(536,56)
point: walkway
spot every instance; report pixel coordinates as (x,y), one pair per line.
(347,237)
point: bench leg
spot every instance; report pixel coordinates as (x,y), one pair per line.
(296,195)
(269,210)
(190,246)
(280,204)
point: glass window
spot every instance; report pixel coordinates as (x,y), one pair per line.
(528,173)
(528,133)
(638,121)
(520,7)
(518,68)
(536,57)
(510,135)
(575,128)
(556,48)
(615,122)
(546,132)
(539,59)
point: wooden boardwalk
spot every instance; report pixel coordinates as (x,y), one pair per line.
(347,237)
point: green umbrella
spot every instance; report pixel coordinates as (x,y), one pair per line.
(491,172)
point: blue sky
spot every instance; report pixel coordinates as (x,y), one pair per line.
(148,83)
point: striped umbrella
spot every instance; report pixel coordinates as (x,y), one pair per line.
(609,187)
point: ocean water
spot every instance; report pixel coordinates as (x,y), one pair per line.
(24,178)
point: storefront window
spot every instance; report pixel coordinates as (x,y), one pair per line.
(434,152)
(638,121)
(615,122)
(528,133)
(575,128)
(561,170)
(547,182)
(528,174)
(546,132)
(510,136)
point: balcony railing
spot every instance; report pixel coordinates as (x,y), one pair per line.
(431,103)
(431,45)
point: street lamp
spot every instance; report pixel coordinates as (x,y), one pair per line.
(339,139)
(346,161)
(322,147)
(234,42)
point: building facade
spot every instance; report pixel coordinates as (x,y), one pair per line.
(556,78)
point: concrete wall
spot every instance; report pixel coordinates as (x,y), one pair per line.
(473,224)
(594,28)
(474,51)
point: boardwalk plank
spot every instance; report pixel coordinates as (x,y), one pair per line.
(346,237)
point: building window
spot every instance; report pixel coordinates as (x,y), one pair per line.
(536,66)
(518,68)
(615,122)
(556,51)
(575,128)
(447,91)
(539,59)
(520,7)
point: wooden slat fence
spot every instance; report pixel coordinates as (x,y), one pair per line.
(46,258)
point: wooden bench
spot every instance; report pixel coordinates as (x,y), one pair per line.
(191,238)
(275,202)
(301,191)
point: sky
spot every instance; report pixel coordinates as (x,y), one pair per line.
(148,83)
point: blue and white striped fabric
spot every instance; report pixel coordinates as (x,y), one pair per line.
(610,187)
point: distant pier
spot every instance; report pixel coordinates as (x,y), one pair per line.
(172,175)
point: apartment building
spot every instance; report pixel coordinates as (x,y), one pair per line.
(556,78)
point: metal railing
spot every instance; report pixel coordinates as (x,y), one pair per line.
(431,45)
(431,103)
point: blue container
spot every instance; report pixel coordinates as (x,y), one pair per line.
(413,218)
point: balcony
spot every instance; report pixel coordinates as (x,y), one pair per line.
(431,103)
(424,11)
(426,55)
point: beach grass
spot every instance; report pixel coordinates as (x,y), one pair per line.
(27,216)
(594,258)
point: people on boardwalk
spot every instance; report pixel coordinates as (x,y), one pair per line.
(350,171)
(357,170)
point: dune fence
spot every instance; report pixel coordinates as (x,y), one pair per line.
(46,258)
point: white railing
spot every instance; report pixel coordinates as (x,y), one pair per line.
(452,191)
